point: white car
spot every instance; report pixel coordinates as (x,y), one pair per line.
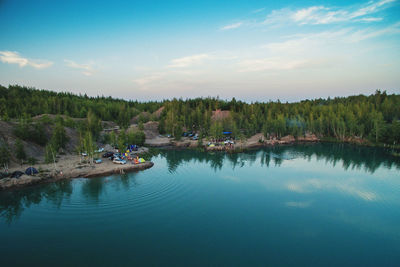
(119,161)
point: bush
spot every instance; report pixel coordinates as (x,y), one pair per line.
(32,160)
(4,155)
(136,138)
(69,122)
(141,126)
(106,138)
(46,119)
(20,151)
(59,138)
(49,155)
(31,132)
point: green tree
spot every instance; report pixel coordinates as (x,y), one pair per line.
(59,138)
(20,151)
(113,138)
(135,138)
(121,142)
(4,156)
(94,124)
(50,155)
(378,125)
(89,146)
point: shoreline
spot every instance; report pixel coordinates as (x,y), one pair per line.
(238,146)
(69,167)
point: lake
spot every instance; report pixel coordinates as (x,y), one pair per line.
(316,204)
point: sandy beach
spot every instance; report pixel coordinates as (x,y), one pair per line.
(68,167)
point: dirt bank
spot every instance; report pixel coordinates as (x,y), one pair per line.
(69,167)
(259,140)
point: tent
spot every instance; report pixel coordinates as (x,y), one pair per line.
(31,171)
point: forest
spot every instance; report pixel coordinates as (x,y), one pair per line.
(375,118)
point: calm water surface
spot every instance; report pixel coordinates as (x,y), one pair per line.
(300,205)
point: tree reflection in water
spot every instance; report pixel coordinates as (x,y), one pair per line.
(13,203)
(93,188)
(350,156)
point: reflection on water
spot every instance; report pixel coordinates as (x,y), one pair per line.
(92,189)
(315,204)
(13,203)
(353,157)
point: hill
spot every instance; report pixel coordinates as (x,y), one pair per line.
(374,117)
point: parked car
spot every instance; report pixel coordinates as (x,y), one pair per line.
(108,154)
(100,150)
(119,161)
(98,161)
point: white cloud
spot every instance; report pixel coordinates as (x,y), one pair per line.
(189,61)
(371,19)
(327,15)
(307,13)
(11,57)
(312,42)
(323,41)
(362,35)
(258,10)
(310,51)
(352,187)
(87,69)
(149,79)
(232,26)
(265,64)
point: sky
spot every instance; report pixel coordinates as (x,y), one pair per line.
(250,50)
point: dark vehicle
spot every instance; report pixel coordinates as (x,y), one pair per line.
(16,174)
(108,154)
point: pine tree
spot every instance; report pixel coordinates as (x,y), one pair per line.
(20,151)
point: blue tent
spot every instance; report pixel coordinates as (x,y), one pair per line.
(226,132)
(31,171)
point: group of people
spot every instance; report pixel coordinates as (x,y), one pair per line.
(135,160)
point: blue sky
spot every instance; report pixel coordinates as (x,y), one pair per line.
(252,50)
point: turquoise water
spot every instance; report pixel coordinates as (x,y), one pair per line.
(323,204)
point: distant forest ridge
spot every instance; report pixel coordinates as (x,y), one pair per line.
(374,117)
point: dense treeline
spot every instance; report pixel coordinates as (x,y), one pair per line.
(17,101)
(375,117)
